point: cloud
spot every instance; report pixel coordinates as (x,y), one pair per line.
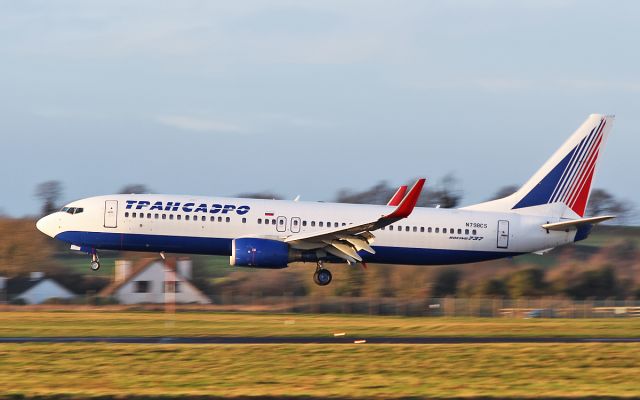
(198,124)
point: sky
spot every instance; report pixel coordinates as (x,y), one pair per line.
(308,97)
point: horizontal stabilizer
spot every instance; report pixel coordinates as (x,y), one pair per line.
(575,223)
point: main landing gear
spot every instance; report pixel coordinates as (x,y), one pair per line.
(95,262)
(322,276)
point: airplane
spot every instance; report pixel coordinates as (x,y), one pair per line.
(546,212)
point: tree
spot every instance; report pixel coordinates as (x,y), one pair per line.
(600,284)
(602,202)
(494,288)
(446,193)
(446,283)
(527,283)
(261,195)
(49,192)
(379,194)
(504,192)
(135,188)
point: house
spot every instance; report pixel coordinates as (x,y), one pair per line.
(35,289)
(154,281)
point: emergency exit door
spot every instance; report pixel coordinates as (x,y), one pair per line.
(503,234)
(111,214)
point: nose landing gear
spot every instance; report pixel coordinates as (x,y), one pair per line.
(95,262)
(322,276)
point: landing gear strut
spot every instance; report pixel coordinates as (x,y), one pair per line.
(95,262)
(322,276)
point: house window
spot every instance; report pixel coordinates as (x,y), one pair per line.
(171,287)
(142,286)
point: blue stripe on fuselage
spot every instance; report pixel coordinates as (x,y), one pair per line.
(222,247)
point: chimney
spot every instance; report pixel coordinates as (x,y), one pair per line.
(36,276)
(123,270)
(183,267)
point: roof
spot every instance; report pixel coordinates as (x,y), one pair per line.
(139,267)
(19,285)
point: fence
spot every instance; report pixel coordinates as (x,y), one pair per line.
(441,307)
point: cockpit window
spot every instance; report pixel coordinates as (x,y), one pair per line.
(72,210)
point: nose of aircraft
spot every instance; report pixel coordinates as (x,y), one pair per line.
(48,225)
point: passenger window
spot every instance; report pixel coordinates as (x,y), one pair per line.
(126,215)
(415,229)
(313,223)
(179,217)
(304,223)
(149,215)
(382,228)
(407,228)
(390,227)
(437,230)
(212,219)
(335,224)
(156,216)
(164,216)
(228,219)
(429,230)
(474,232)
(343,224)
(259,221)
(203,218)
(244,220)
(295,222)
(281,222)
(273,222)
(466,231)
(170,216)
(459,231)
(133,215)
(422,229)
(320,224)
(186,217)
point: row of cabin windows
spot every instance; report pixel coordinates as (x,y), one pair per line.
(179,217)
(399,228)
(296,222)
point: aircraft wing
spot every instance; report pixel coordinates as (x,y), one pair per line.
(345,241)
(574,223)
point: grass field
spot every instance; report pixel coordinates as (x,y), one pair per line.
(319,371)
(240,324)
(356,371)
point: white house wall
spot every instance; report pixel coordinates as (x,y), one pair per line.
(156,275)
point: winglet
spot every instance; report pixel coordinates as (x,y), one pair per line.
(398,196)
(406,206)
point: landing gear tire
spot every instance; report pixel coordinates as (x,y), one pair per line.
(95,265)
(322,277)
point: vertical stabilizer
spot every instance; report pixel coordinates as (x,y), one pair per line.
(563,184)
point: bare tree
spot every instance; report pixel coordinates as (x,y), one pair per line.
(378,194)
(49,192)
(602,202)
(504,192)
(267,195)
(446,193)
(135,188)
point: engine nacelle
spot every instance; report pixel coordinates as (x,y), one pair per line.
(259,253)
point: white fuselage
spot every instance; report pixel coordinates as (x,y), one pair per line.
(207,225)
